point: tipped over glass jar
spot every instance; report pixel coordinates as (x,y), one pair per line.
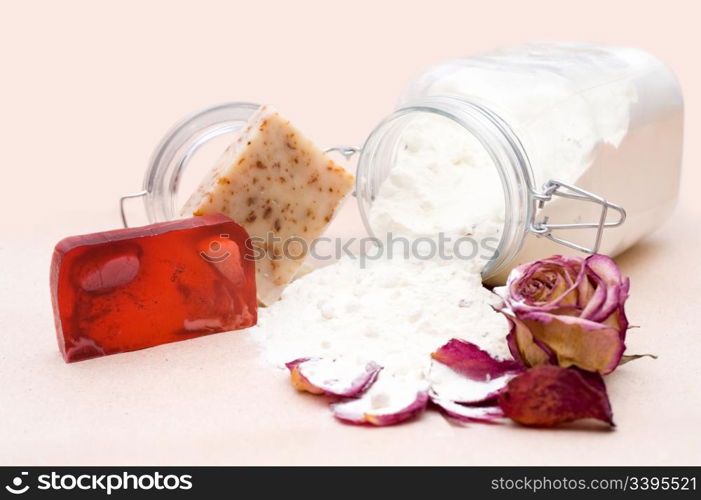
(535,150)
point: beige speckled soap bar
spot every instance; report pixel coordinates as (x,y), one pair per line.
(281,188)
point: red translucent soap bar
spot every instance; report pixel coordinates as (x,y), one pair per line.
(133,288)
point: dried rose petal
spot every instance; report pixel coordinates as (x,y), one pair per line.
(606,274)
(465,380)
(388,402)
(465,413)
(472,362)
(577,342)
(332,377)
(526,348)
(463,373)
(546,396)
(449,385)
(299,382)
(550,285)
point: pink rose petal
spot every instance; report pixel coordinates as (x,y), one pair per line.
(524,347)
(546,396)
(479,414)
(472,362)
(561,275)
(449,385)
(332,377)
(387,403)
(612,289)
(461,372)
(464,379)
(605,267)
(577,342)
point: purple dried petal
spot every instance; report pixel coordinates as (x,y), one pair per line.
(546,396)
(610,284)
(472,362)
(577,342)
(331,377)
(463,413)
(525,347)
(597,297)
(449,385)
(384,404)
(605,267)
(292,364)
(560,275)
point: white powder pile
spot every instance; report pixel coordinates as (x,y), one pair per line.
(394,312)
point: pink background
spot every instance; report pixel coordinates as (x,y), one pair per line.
(88,89)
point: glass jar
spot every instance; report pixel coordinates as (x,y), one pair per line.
(544,148)
(585,142)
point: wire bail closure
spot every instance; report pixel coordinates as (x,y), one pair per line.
(346,151)
(124,198)
(558,188)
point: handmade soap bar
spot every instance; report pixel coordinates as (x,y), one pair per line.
(128,289)
(279,186)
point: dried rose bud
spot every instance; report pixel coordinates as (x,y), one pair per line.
(546,396)
(567,311)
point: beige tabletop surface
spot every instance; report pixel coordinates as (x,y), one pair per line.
(87,92)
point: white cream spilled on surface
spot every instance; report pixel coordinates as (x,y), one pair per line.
(393,312)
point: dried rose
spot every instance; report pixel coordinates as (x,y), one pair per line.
(546,396)
(567,311)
